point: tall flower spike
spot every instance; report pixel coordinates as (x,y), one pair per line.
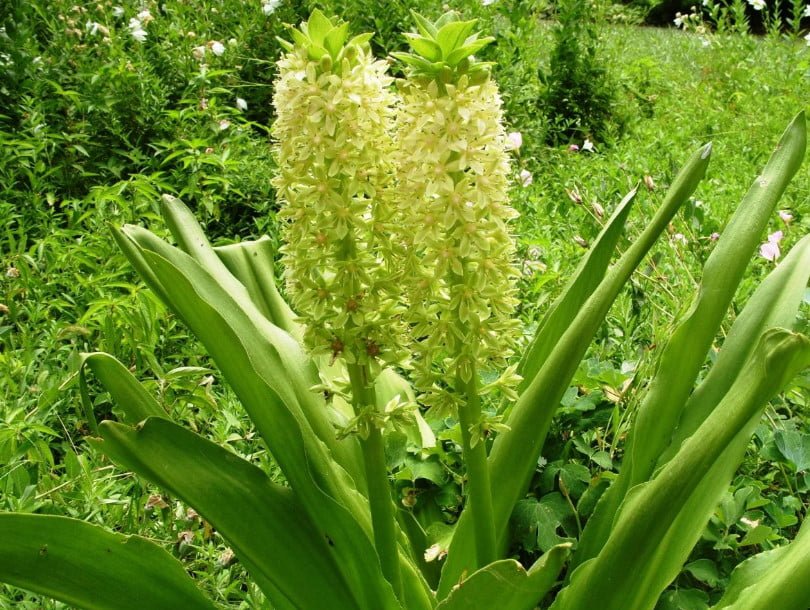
(334,109)
(333,145)
(453,184)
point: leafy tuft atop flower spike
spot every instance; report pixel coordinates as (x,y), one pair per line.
(443,50)
(321,38)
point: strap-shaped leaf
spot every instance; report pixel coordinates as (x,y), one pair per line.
(251,262)
(686,350)
(635,566)
(514,454)
(270,343)
(585,279)
(263,522)
(271,376)
(779,578)
(506,585)
(88,567)
(775,303)
(136,403)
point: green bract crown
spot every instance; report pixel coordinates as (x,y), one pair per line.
(324,40)
(443,50)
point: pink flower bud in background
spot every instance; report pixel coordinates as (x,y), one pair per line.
(514,141)
(525,177)
(770,249)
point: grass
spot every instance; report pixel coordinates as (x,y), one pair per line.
(77,156)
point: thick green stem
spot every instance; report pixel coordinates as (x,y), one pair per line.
(383,511)
(479,492)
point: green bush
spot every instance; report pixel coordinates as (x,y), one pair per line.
(579,101)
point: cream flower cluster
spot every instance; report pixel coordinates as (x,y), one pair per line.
(333,143)
(453,184)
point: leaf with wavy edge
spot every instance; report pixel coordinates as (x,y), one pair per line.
(88,567)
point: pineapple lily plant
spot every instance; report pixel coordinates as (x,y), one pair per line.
(398,264)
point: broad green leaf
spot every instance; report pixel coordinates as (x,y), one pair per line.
(452,35)
(584,280)
(425,47)
(685,353)
(514,454)
(288,556)
(795,446)
(506,585)
(637,561)
(536,522)
(318,26)
(335,39)
(779,578)
(251,262)
(88,567)
(705,570)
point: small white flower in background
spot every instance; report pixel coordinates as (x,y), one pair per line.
(145,16)
(680,237)
(785,216)
(136,29)
(118,12)
(525,177)
(198,52)
(705,3)
(705,42)
(714,236)
(573,148)
(806,12)
(807,38)
(12,272)
(241,104)
(588,145)
(514,141)
(269,6)
(487,2)
(757,5)
(678,21)
(217,48)
(224,124)
(770,249)
(92,27)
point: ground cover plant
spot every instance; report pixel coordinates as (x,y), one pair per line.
(48,472)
